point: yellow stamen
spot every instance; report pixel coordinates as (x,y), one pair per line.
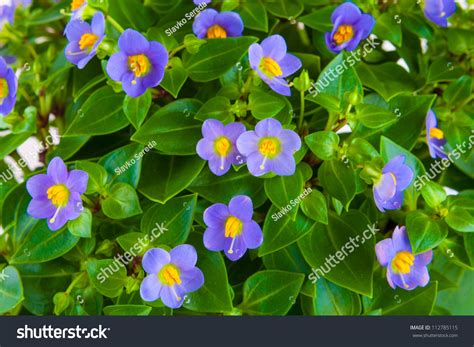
(269,147)
(88,41)
(437,133)
(3,88)
(233,227)
(270,67)
(59,195)
(222,146)
(216,32)
(169,275)
(403,262)
(75,4)
(139,64)
(344,33)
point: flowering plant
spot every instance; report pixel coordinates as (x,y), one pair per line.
(236,157)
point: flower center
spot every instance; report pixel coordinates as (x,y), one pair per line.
(270,67)
(139,65)
(3,88)
(402,262)
(59,195)
(216,32)
(344,33)
(75,4)
(88,40)
(222,146)
(436,133)
(233,228)
(269,147)
(169,275)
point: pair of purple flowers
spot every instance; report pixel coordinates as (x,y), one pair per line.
(8,88)
(404,269)
(57,194)
(268,148)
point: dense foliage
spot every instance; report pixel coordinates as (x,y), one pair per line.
(260,157)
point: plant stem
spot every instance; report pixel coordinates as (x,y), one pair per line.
(176,50)
(302,106)
(115,24)
(74,282)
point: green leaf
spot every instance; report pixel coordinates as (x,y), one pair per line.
(284,192)
(42,244)
(332,300)
(264,105)
(11,289)
(443,69)
(324,144)
(214,295)
(459,40)
(216,57)
(104,102)
(172,129)
(224,188)
(280,230)
(121,202)
(165,176)
(433,193)
(374,117)
(175,77)
(350,239)
(285,9)
(400,302)
(460,219)
(387,28)
(319,20)
(170,224)
(107,276)
(131,242)
(124,164)
(338,180)
(424,232)
(136,109)
(81,226)
(315,207)
(127,310)
(254,15)
(11,142)
(286,259)
(271,292)
(376,77)
(97,176)
(216,108)
(130,14)
(459,91)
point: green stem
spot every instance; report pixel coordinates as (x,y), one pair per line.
(304,37)
(74,282)
(87,200)
(176,50)
(115,24)
(331,120)
(302,106)
(247,85)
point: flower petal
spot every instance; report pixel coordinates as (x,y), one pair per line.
(274,47)
(255,55)
(215,216)
(424,258)
(346,10)
(289,65)
(247,143)
(131,42)
(214,239)
(41,208)
(169,296)
(238,248)
(400,240)
(38,185)
(57,171)
(385,252)
(231,22)
(77,181)
(212,128)
(150,288)
(241,206)
(252,234)
(192,280)
(268,127)
(290,141)
(184,256)
(117,66)
(154,259)
(284,164)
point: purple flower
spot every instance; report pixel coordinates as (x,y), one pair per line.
(269,148)
(219,145)
(8,88)
(7,12)
(84,38)
(77,8)
(231,228)
(214,25)
(438,11)
(350,27)
(435,137)
(198,2)
(273,64)
(395,178)
(404,269)
(139,65)
(170,275)
(57,194)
